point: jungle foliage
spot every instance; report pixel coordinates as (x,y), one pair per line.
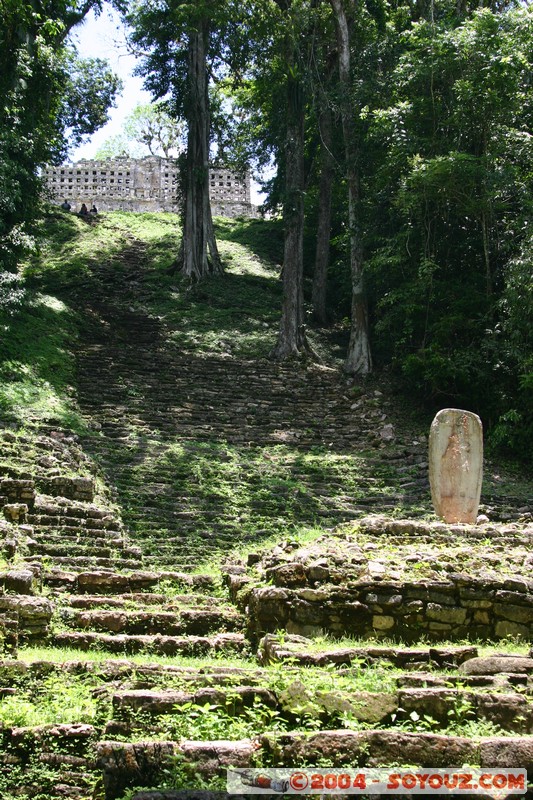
(51,99)
(401,138)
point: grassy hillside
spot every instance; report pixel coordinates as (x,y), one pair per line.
(36,363)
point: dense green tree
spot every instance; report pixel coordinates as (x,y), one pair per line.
(149,129)
(90,90)
(449,197)
(358,360)
(49,98)
(185,47)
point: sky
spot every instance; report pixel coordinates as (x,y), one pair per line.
(104,37)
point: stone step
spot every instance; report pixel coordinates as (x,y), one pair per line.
(74,513)
(132,674)
(515,675)
(158,644)
(166,602)
(501,681)
(83,563)
(154,703)
(138,764)
(69,525)
(110,582)
(77,550)
(196,621)
(300,650)
(98,539)
(506,711)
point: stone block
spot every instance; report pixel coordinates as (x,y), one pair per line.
(518,598)
(435,703)
(15,512)
(440,626)
(291,575)
(521,614)
(19,581)
(511,712)
(369,707)
(383,623)
(503,629)
(477,604)
(423,749)
(494,665)
(448,614)
(508,753)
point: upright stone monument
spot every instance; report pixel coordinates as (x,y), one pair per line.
(456,464)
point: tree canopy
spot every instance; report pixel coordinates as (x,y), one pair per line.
(148,130)
(50,100)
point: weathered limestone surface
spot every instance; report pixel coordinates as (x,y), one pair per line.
(494,665)
(297,649)
(164,701)
(456,464)
(144,763)
(34,614)
(76,488)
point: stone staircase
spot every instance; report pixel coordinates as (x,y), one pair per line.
(160,415)
(378,639)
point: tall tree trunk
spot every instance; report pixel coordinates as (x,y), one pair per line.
(359,359)
(291,338)
(199,253)
(320,275)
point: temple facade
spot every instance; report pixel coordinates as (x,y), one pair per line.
(142,184)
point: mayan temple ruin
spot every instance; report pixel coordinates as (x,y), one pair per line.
(145,184)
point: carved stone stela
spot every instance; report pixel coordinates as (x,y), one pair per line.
(142,184)
(456,464)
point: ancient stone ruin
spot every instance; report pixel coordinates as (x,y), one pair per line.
(145,184)
(372,637)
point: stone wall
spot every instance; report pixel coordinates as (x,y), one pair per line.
(462,608)
(146,184)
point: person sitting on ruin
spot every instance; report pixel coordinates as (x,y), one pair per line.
(83,212)
(65,205)
(93,210)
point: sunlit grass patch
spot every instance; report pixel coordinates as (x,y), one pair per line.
(36,363)
(54,700)
(60,655)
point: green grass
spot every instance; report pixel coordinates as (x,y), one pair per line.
(308,698)
(36,363)
(251,489)
(59,655)
(54,700)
